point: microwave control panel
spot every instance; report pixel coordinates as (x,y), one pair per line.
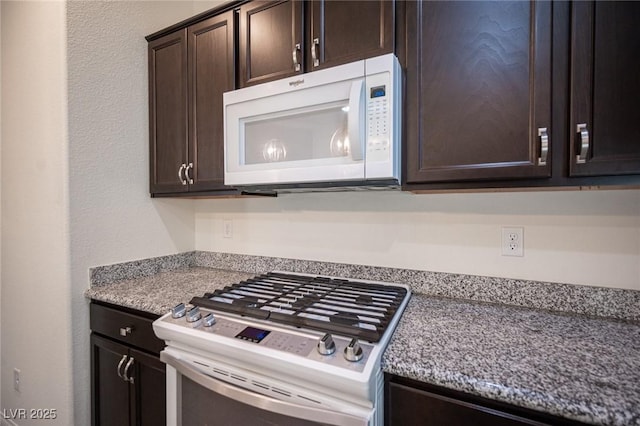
(379,116)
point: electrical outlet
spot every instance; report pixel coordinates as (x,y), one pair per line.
(16,379)
(513,241)
(227,228)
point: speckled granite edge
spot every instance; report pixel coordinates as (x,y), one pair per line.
(108,274)
(586,300)
(573,366)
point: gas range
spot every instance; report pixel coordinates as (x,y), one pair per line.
(316,339)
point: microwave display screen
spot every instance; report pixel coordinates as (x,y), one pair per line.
(378,92)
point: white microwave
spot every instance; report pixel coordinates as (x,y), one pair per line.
(337,127)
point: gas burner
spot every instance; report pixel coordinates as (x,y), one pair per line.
(332,305)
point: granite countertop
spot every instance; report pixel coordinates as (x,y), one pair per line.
(583,368)
(159,293)
(580,367)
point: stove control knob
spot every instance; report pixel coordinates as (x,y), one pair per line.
(178,311)
(193,314)
(353,351)
(326,345)
(209,319)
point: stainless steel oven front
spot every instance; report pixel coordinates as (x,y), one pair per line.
(198,395)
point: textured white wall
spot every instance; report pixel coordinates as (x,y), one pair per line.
(36,336)
(588,237)
(74,197)
(0,206)
(113,219)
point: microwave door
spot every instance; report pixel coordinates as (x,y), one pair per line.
(308,135)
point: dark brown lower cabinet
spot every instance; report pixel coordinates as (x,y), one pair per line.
(408,403)
(127,382)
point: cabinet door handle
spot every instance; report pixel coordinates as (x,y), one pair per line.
(584,143)
(544,146)
(314,52)
(120,364)
(296,64)
(124,332)
(125,375)
(186,173)
(180,175)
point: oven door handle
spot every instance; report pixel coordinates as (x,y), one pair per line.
(262,401)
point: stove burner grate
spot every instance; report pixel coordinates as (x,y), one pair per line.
(334,305)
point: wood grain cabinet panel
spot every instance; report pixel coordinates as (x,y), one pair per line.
(412,403)
(167,111)
(605,89)
(149,399)
(271,43)
(211,73)
(347,31)
(280,39)
(127,376)
(189,70)
(109,393)
(478,90)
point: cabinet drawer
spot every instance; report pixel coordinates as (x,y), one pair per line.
(129,328)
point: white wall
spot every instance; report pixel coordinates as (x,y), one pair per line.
(113,219)
(579,237)
(0,207)
(36,336)
(74,197)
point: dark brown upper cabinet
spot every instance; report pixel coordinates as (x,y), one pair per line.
(478,95)
(605,89)
(346,31)
(270,41)
(280,39)
(168,112)
(189,70)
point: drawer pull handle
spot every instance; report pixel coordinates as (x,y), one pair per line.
(120,364)
(187,175)
(296,64)
(124,332)
(180,174)
(314,52)
(126,377)
(584,143)
(544,146)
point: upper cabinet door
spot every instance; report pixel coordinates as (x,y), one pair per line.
(605,89)
(168,112)
(346,31)
(478,91)
(211,73)
(271,43)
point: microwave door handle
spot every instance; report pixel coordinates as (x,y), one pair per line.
(261,401)
(356,119)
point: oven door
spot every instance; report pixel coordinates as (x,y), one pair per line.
(196,398)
